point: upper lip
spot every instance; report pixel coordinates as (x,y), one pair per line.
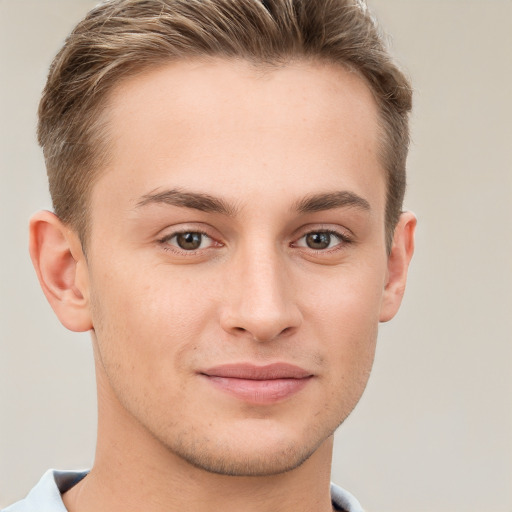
(251,371)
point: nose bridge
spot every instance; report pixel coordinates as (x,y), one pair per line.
(263,303)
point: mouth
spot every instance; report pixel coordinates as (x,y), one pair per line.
(258,384)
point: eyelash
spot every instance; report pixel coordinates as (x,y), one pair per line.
(166,246)
(343,240)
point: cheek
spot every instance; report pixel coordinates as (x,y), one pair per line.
(349,299)
(147,322)
(351,355)
(347,325)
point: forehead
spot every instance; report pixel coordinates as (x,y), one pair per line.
(229,127)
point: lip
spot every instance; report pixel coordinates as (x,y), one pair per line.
(258,384)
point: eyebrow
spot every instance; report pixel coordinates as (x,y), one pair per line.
(194,200)
(210,204)
(332,200)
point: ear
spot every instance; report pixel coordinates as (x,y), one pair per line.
(61,268)
(399,258)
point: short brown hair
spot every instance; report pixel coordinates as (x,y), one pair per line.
(122,37)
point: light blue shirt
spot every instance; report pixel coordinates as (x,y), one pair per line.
(46,496)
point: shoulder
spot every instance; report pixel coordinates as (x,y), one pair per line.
(344,501)
(46,495)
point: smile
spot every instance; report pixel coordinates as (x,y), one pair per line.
(258,384)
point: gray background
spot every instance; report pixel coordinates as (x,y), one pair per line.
(434,428)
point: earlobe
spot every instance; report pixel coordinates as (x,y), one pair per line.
(398,264)
(61,268)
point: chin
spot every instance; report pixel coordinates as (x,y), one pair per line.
(260,463)
(252,455)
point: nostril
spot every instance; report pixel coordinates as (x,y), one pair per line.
(260,324)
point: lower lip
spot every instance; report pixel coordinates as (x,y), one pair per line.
(259,391)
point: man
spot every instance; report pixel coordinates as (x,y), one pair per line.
(227,179)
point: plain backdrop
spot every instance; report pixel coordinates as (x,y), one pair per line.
(433,431)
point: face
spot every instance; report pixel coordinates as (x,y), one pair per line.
(236,261)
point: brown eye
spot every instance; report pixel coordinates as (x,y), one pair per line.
(319,240)
(189,241)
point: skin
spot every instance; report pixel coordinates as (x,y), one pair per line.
(289,160)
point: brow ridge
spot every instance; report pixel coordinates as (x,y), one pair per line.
(210,204)
(332,200)
(193,200)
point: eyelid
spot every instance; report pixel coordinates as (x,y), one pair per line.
(172,232)
(187,227)
(172,236)
(344,237)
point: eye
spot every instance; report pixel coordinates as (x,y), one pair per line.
(321,240)
(189,240)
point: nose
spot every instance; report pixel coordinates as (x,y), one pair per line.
(260,300)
